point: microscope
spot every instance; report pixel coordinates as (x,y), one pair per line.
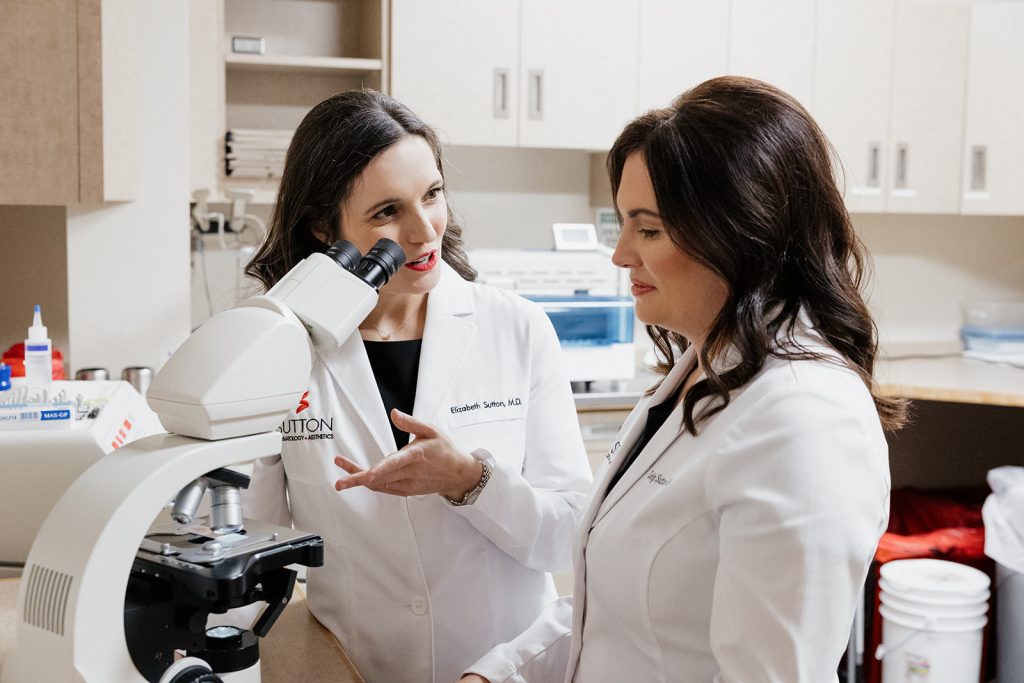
(96,605)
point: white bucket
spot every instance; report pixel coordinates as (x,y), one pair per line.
(933,613)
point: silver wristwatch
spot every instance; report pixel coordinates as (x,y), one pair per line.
(485,459)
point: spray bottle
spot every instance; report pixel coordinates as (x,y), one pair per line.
(38,354)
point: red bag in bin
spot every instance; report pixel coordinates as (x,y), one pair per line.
(943,525)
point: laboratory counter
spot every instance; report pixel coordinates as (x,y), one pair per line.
(947,377)
(296,643)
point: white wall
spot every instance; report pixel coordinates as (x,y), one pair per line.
(927,266)
(128,263)
(510,197)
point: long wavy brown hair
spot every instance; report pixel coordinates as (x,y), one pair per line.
(744,182)
(331,147)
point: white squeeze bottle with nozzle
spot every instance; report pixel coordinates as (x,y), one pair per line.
(38,354)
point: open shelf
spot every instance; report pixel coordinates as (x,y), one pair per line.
(352,66)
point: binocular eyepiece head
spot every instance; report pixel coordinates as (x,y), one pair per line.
(376,268)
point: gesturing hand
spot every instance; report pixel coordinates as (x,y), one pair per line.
(429,464)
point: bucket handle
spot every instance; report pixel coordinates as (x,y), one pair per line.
(881,652)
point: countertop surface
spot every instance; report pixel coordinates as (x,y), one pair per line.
(930,377)
(296,643)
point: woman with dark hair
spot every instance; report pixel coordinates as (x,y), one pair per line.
(437,450)
(733,524)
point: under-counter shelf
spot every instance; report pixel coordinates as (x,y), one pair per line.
(349,66)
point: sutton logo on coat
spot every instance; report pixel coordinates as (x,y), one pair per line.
(306,428)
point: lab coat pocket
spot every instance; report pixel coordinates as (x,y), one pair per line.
(505,439)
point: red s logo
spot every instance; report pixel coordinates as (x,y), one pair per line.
(303,403)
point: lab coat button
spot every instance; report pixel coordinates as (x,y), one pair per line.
(419,606)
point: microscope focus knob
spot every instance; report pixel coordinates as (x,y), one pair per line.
(196,674)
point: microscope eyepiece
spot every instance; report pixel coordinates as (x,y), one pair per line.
(380,263)
(344,254)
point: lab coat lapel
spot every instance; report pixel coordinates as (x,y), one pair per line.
(446,334)
(654,449)
(350,367)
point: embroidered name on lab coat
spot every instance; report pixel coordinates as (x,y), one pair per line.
(485,405)
(657,478)
(613,451)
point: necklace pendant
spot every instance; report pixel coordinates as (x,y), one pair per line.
(385,337)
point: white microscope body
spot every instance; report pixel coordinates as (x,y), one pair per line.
(222,396)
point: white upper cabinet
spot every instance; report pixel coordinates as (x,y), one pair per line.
(528,73)
(577,86)
(852,78)
(993,177)
(682,43)
(455,63)
(774,42)
(929,70)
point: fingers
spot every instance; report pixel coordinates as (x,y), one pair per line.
(347,465)
(408,423)
(375,477)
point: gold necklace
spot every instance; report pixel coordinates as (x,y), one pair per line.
(386,336)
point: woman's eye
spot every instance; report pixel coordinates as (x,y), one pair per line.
(648,233)
(434,193)
(387,212)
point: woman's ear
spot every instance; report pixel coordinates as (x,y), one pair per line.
(321,234)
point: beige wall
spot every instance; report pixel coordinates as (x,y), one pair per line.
(34,271)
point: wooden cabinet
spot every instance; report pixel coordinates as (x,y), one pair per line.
(774,42)
(577,87)
(889,94)
(66,115)
(993,176)
(463,82)
(684,42)
(528,73)
(928,75)
(852,81)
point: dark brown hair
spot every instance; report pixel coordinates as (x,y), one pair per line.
(744,182)
(331,147)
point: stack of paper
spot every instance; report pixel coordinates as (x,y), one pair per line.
(253,153)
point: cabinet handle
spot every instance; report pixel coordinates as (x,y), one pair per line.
(501,93)
(978,163)
(874,163)
(536,94)
(902,151)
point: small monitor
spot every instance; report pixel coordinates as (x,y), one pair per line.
(575,236)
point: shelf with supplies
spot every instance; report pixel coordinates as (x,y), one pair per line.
(260,66)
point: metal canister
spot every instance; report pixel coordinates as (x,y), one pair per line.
(139,377)
(99,374)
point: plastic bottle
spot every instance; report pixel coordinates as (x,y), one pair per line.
(38,354)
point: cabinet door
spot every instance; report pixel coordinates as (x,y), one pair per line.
(455,63)
(774,42)
(852,77)
(993,180)
(578,80)
(39,106)
(682,43)
(929,70)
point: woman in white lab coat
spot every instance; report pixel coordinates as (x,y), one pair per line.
(439,548)
(733,524)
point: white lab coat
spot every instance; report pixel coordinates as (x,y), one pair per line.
(415,588)
(736,556)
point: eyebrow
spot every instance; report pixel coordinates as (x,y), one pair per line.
(643,212)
